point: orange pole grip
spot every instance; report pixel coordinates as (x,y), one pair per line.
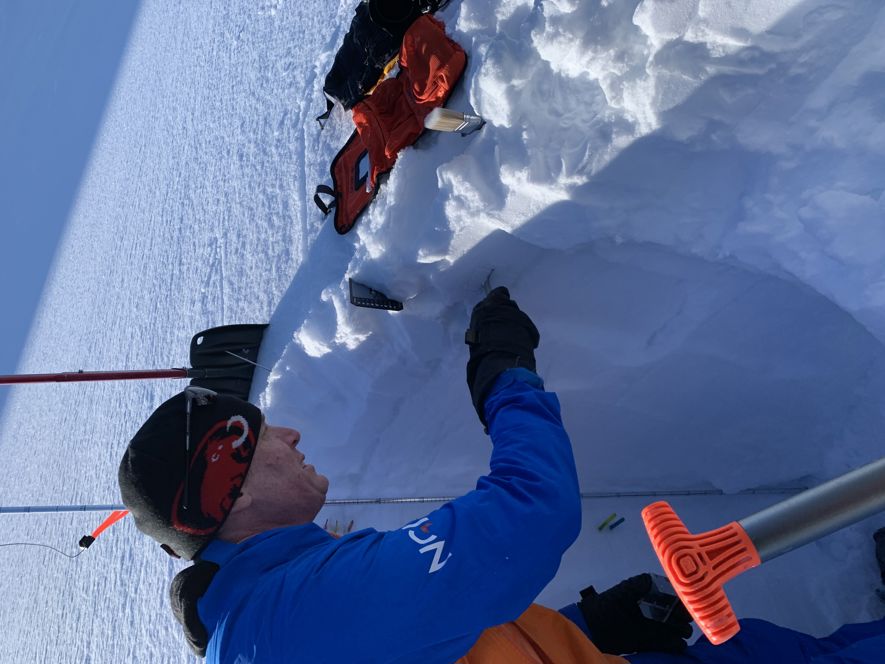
(699,565)
(115,516)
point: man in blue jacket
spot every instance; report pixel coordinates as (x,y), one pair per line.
(211,481)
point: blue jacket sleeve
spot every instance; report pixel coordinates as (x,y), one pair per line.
(480,560)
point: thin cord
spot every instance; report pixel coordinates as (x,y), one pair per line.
(45,546)
(246,359)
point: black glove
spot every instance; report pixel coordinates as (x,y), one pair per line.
(500,337)
(617,625)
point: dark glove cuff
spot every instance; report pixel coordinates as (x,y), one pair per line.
(488,368)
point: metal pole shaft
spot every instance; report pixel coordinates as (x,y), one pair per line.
(84,376)
(817,512)
(43,509)
(332,502)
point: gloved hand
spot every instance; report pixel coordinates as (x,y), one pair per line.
(500,337)
(618,626)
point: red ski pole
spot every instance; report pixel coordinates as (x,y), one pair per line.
(78,376)
(223,359)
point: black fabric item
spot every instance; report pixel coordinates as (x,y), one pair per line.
(879,539)
(360,61)
(394,16)
(372,41)
(500,337)
(618,626)
(152,472)
(188,586)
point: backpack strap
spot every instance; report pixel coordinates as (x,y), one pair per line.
(325,116)
(325,208)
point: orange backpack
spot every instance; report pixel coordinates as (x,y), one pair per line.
(391,118)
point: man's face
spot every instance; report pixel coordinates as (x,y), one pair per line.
(281,484)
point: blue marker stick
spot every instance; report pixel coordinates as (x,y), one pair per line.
(616,523)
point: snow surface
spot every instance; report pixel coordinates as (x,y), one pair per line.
(685,195)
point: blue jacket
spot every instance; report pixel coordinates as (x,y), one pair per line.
(422,593)
(762,642)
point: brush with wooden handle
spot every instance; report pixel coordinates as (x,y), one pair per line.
(445,119)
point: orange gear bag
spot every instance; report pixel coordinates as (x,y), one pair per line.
(350,191)
(538,636)
(392,117)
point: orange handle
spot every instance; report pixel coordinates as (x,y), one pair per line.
(115,516)
(699,565)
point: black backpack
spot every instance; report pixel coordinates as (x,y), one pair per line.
(372,42)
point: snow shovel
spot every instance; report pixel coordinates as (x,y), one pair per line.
(699,565)
(222,359)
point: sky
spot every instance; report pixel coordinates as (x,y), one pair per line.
(685,197)
(55,89)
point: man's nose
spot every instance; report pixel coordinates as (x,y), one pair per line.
(292,435)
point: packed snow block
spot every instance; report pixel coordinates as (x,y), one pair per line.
(391,118)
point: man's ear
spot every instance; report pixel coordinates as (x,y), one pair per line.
(241,503)
(233,528)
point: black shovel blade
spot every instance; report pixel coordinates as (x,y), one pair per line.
(223,358)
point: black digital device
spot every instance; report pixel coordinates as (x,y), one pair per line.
(363,296)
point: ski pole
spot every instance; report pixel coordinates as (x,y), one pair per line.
(86,376)
(699,565)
